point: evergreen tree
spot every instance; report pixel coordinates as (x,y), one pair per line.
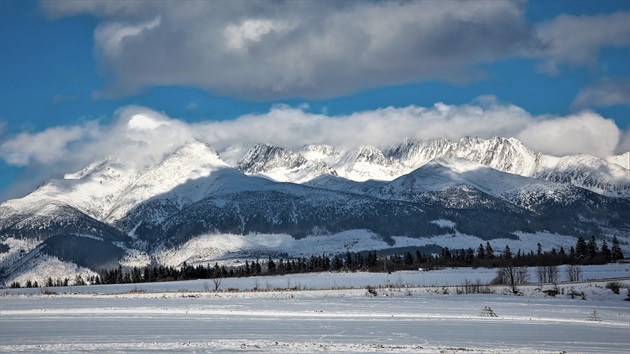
(271,266)
(78,280)
(408,260)
(281,266)
(606,251)
(419,257)
(469,256)
(337,264)
(348,260)
(507,253)
(248,270)
(119,275)
(592,247)
(257,267)
(481,252)
(146,274)
(581,249)
(326,263)
(446,253)
(489,251)
(358,260)
(616,253)
(289,266)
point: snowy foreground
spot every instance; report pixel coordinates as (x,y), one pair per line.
(416,312)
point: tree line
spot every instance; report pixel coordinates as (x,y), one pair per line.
(583,253)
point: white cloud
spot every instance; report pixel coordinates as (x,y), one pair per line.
(316,49)
(110,38)
(603,93)
(577,40)
(141,136)
(624,143)
(49,146)
(585,132)
(238,37)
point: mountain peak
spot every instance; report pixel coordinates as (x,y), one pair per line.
(196,148)
(366,153)
(262,157)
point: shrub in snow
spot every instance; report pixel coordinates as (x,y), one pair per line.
(371,291)
(613,286)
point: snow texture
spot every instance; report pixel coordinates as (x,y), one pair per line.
(404,316)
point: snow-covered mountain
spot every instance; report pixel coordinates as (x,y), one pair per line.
(111,213)
(281,165)
(609,176)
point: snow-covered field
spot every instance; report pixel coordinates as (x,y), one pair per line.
(410,313)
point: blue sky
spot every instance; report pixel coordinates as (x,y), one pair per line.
(66,64)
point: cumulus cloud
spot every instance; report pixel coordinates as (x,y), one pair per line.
(603,93)
(141,136)
(319,49)
(577,40)
(313,49)
(585,132)
(50,146)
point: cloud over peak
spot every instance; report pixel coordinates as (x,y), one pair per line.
(141,136)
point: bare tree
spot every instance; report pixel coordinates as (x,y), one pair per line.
(547,274)
(552,273)
(511,275)
(541,274)
(522,275)
(217,283)
(574,272)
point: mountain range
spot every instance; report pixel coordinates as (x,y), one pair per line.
(331,199)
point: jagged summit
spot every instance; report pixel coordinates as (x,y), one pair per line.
(504,154)
(281,165)
(264,157)
(316,152)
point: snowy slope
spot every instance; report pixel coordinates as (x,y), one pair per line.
(622,160)
(586,171)
(281,165)
(504,154)
(367,163)
(442,175)
(412,312)
(190,162)
(609,177)
(91,190)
